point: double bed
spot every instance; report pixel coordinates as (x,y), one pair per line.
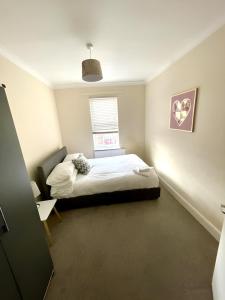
(110,180)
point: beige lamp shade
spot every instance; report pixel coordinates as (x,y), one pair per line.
(91,70)
(35,189)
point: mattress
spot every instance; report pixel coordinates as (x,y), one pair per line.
(111,174)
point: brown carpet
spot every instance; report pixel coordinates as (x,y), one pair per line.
(147,250)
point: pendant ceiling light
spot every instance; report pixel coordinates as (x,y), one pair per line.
(91,68)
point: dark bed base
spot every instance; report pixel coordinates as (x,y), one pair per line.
(108,198)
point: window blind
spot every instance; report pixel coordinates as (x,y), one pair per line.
(104,114)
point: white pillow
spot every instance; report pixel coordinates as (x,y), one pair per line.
(61,173)
(73,156)
(63,190)
(66,182)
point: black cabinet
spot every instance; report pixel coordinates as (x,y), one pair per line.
(25,262)
(8,286)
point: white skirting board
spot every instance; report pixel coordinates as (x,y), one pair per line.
(110,152)
(192,210)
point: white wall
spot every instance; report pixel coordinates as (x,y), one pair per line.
(218,282)
(75,123)
(34,113)
(192,163)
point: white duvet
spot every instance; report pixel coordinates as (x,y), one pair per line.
(110,174)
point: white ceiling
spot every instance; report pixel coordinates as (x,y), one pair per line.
(133,39)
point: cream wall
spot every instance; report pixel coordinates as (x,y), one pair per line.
(75,123)
(192,163)
(34,113)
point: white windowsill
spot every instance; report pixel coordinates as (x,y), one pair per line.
(109,149)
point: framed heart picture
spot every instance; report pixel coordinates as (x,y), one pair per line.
(182,110)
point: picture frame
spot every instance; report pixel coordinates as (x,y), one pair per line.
(182,110)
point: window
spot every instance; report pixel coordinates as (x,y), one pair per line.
(104,121)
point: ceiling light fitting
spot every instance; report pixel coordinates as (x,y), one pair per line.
(91,68)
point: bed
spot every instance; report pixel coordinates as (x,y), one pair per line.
(110,180)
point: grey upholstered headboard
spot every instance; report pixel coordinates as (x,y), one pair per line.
(45,169)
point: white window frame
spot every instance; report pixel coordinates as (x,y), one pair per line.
(110,147)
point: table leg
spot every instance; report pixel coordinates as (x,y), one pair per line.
(57,214)
(48,232)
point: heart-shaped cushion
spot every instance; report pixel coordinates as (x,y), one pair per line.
(181,110)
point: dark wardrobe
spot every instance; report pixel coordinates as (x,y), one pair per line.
(25,263)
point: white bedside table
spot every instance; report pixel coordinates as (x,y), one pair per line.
(44,208)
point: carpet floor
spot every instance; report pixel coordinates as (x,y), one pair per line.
(147,250)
